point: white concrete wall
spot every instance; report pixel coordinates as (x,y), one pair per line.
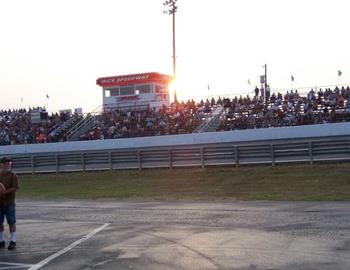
(336,129)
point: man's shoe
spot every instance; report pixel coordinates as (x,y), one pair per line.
(2,244)
(12,245)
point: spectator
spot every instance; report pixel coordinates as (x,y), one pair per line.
(184,117)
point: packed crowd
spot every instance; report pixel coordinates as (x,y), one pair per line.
(263,110)
(179,118)
(16,126)
(291,109)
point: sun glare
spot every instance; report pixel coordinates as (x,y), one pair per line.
(173,87)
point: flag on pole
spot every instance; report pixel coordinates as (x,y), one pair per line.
(292,78)
(339,73)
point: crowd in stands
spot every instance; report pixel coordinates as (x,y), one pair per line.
(264,109)
(178,118)
(16,126)
(290,109)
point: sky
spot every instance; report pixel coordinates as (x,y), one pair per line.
(52,52)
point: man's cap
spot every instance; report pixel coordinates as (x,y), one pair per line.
(5,159)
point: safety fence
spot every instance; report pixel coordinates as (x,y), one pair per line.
(219,154)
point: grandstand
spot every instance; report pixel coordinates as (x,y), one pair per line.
(318,106)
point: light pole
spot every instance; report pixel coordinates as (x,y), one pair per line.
(171,10)
(265,83)
(265,66)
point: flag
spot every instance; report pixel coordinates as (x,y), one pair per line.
(208,87)
(47,96)
(248,81)
(292,78)
(339,73)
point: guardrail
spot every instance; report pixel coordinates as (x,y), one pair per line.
(232,154)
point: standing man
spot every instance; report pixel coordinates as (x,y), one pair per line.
(7,201)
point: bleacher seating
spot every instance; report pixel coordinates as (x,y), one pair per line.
(16,127)
(291,109)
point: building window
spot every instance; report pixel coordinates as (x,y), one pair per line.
(143,89)
(115,92)
(112,92)
(127,90)
(161,89)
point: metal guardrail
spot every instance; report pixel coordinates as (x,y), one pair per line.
(268,152)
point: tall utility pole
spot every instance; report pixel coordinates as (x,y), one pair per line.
(265,75)
(171,10)
(265,83)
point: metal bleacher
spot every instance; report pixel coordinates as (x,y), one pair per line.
(211,121)
(66,126)
(83,125)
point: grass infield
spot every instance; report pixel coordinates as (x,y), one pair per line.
(320,182)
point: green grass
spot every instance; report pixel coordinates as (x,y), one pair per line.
(320,182)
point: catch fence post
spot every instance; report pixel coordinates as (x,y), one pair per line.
(32,159)
(57,163)
(236,156)
(83,161)
(139,159)
(272,149)
(202,156)
(170,158)
(311,154)
(110,160)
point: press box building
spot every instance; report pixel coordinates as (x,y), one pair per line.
(135,91)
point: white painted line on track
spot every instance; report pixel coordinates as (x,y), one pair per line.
(71,246)
(13,265)
(16,264)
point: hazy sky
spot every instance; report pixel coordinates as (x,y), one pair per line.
(59,48)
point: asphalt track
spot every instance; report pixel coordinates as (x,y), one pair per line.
(107,234)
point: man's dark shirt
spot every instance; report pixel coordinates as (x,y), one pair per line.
(9,180)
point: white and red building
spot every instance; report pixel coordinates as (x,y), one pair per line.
(135,91)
